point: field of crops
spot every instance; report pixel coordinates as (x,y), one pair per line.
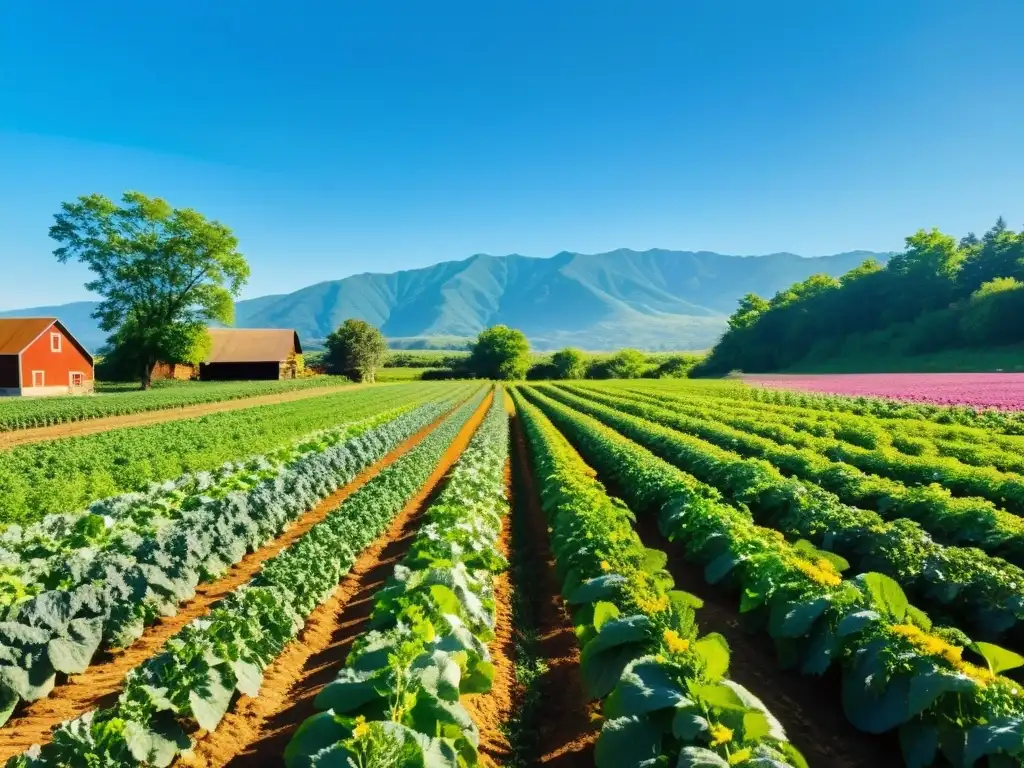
(621,574)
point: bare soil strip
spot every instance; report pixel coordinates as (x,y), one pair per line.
(104,423)
(256,732)
(101,683)
(491,711)
(566,723)
(809,708)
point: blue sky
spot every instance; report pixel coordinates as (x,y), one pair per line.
(339,137)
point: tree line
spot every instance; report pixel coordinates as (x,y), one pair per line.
(939,293)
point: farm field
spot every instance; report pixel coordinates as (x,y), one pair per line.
(18,413)
(1002,391)
(590,573)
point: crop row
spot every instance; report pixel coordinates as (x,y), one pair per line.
(397,699)
(665,691)
(988,419)
(914,438)
(104,594)
(26,412)
(67,474)
(983,592)
(953,520)
(193,681)
(898,672)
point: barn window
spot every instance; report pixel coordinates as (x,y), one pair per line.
(38,378)
(55,342)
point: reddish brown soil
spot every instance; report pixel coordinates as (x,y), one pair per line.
(809,708)
(490,711)
(258,729)
(102,424)
(101,683)
(566,723)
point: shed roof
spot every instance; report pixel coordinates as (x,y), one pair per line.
(16,333)
(252,345)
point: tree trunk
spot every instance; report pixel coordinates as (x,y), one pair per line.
(146,379)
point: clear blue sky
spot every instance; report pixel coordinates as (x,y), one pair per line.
(339,137)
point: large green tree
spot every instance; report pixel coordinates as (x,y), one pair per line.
(164,273)
(500,353)
(356,350)
(569,363)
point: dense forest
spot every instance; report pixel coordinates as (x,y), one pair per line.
(938,294)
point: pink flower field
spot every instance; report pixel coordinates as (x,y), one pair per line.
(1004,391)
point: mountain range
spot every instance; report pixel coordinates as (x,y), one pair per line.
(656,299)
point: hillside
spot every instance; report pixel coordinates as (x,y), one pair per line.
(654,299)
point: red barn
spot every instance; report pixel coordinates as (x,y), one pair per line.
(39,357)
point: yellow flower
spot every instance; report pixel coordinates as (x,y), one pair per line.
(739,756)
(825,577)
(660,603)
(361,728)
(605,566)
(674,642)
(908,631)
(720,735)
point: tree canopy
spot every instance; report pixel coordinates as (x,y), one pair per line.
(165,274)
(500,353)
(356,350)
(938,293)
(569,363)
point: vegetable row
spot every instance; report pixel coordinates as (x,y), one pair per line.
(397,699)
(898,670)
(953,520)
(665,691)
(67,474)
(103,595)
(980,591)
(194,680)
(26,412)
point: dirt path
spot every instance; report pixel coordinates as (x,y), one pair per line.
(564,722)
(257,731)
(809,708)
(101,683)
(104,423)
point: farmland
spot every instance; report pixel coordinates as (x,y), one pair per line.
(586,573)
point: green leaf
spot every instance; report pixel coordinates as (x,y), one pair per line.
(688,723)
(719,568)
(350,690)
(603,612)
(478,678)
(886,594)
(698,757)
(627,741)
(926,688)
(154,748)
(8,701)
(999,659)
(919,742)
(918,618)
(210,702)
(1005,735)
(654,560)
(445,600)
(248,677)
(72,652)
(718,696)
(29,684)
(645,686)
(713,649)
(796,620)
(775,729)
(683,600)
(599,588)
(855,622)
(606,656)
(314,734)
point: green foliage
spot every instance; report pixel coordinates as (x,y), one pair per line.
(500,353)
(356,349)
(624,364)
(165,274)
(569,363)
(937,294)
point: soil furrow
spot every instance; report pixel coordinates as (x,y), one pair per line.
(101,683)
(809,708)
(257,730)
(9,439)
(564,722)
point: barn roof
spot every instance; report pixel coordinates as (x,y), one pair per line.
(252,345)
(16,333)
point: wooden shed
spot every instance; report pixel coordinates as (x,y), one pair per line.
(251,353)
(39,356)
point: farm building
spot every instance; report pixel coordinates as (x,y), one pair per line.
(242,353)
(38,356)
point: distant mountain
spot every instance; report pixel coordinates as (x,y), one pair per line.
(653,299)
